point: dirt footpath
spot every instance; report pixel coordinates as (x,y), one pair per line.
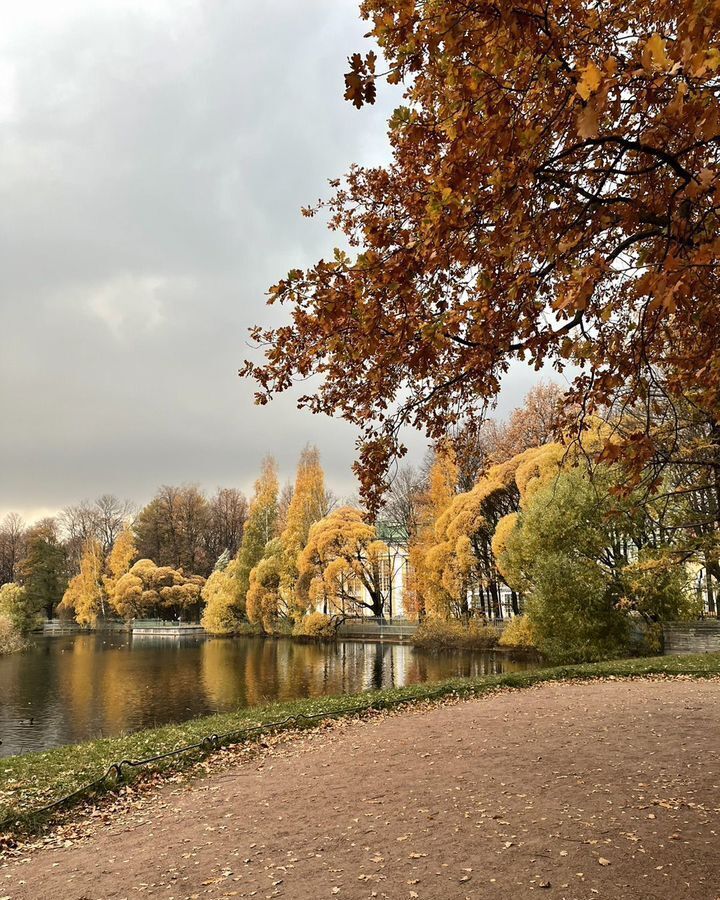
(603,790)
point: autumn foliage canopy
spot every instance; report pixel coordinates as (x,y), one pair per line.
(552,196)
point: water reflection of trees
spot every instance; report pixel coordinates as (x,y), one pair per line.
(82,686)
(109,685)
(252,672)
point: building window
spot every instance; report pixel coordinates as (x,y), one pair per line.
(385,576)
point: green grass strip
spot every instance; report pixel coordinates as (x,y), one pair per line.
(33,780)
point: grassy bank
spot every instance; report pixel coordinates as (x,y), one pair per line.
(33,780)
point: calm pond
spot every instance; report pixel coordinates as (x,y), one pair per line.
(70,688)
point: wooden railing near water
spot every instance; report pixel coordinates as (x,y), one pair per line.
(371,628)
(59,626)
(166,628)
(377,629)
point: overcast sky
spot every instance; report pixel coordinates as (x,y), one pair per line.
(154,156)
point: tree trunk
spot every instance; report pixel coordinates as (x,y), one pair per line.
(495,599)
(712,609)
(378,603)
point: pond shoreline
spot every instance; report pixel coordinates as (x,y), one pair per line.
(381,636)
(348,631)
(514,653)
(36,779)
(70,688)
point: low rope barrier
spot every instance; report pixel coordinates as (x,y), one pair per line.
(114,777)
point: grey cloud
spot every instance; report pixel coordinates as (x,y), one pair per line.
(152,167)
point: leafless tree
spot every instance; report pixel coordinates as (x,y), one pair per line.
(12,546)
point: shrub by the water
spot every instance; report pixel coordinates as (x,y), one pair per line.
(18,608)
(441,634)
(18,616)
(247,629)
(317,626)
(518,634)
(11,640)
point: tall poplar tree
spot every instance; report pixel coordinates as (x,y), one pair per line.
(309,504)
(85,594)
(422,596)
(260,526)
(226,591)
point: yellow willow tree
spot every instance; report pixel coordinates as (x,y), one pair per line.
(121,557)
(424,595)
(461,563)
(535,470)
(264,601)
(220,597)
(226,596)
(341,565)
(85,595)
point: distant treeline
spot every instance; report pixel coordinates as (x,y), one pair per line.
(523,518)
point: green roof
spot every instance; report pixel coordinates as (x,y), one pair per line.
(392,533)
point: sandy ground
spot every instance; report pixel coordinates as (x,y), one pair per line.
(601,790)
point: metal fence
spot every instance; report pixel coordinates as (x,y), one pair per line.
(392,628)
(375,627)
(380,620)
